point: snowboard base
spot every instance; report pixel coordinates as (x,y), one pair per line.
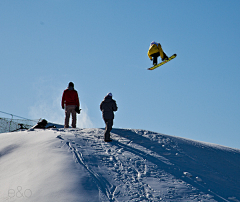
(163,62)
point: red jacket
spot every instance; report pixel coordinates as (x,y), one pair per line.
(70,97)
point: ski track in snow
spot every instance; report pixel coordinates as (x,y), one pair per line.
(136,166)
(101,182)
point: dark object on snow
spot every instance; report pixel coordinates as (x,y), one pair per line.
(41,125)
(53,126)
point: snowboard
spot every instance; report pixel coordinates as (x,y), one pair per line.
(163,62)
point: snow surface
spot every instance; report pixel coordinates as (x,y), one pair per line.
(77,165)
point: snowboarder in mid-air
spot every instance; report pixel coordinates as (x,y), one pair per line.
(155,50)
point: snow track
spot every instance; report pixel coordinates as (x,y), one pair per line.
(77,165)
(138,166)
(101,182)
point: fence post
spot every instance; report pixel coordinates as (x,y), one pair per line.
(10,122)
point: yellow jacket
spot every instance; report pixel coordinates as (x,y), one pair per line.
(154,49)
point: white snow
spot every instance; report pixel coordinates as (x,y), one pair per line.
(77,165)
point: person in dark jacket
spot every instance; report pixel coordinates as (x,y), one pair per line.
(108,106)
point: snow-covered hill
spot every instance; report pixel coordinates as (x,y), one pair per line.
(77,165)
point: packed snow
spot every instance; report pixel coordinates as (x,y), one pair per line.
(76,165)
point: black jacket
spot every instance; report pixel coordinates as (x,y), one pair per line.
(108,106)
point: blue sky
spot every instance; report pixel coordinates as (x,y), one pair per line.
(102,47)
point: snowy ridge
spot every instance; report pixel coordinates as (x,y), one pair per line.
(77,165)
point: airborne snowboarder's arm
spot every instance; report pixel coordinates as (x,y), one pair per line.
(149,56)
(160,50)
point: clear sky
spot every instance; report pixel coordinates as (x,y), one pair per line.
(102,47)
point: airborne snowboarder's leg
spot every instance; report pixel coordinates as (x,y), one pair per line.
(163,62)
(155,56)
(165,57)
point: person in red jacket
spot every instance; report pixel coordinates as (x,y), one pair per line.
(70,102)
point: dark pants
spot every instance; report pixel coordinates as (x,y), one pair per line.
(70,109)
(156,55)
(108,128)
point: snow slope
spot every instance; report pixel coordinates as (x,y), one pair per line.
(77,165)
